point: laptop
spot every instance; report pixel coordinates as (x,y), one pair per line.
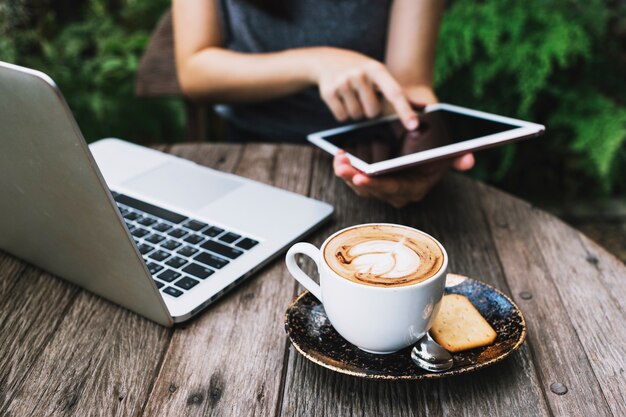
(157,234)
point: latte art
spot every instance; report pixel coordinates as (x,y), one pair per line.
(383,255)
(381,258)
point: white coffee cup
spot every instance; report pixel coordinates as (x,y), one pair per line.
(375,319)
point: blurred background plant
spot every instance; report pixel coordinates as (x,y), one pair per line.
(91,48)
(557,62)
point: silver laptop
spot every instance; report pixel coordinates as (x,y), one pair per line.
(157,234)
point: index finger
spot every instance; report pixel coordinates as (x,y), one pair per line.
(393,93)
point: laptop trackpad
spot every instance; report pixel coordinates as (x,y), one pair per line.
(183,184)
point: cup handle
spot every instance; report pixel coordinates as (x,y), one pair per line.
(295,270)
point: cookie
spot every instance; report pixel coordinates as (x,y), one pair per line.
(459,326)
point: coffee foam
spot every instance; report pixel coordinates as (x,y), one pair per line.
(383,255)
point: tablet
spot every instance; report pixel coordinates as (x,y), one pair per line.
(384,145)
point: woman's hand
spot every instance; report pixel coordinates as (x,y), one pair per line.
(407,186)
(349,83)
(402,188)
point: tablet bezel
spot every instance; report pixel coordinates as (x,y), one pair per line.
(524,130)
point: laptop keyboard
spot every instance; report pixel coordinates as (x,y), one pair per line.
(180,252)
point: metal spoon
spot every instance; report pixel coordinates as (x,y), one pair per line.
(428,355)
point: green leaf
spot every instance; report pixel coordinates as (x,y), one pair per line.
(598,127)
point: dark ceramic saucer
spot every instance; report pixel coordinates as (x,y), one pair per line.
(314,337)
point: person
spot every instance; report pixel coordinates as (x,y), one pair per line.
(286,69)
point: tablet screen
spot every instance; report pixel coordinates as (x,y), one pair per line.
(388,140)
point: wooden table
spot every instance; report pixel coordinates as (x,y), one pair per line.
(67,352)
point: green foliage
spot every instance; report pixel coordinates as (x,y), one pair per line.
(558,62)
(598,128)
(94,61)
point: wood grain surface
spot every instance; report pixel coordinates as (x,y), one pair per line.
(576,320)
(67,352)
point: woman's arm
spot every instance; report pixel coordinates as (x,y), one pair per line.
(411,45)
(348,81)
(208,71)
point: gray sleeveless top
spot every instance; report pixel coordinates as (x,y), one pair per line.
(358,25)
